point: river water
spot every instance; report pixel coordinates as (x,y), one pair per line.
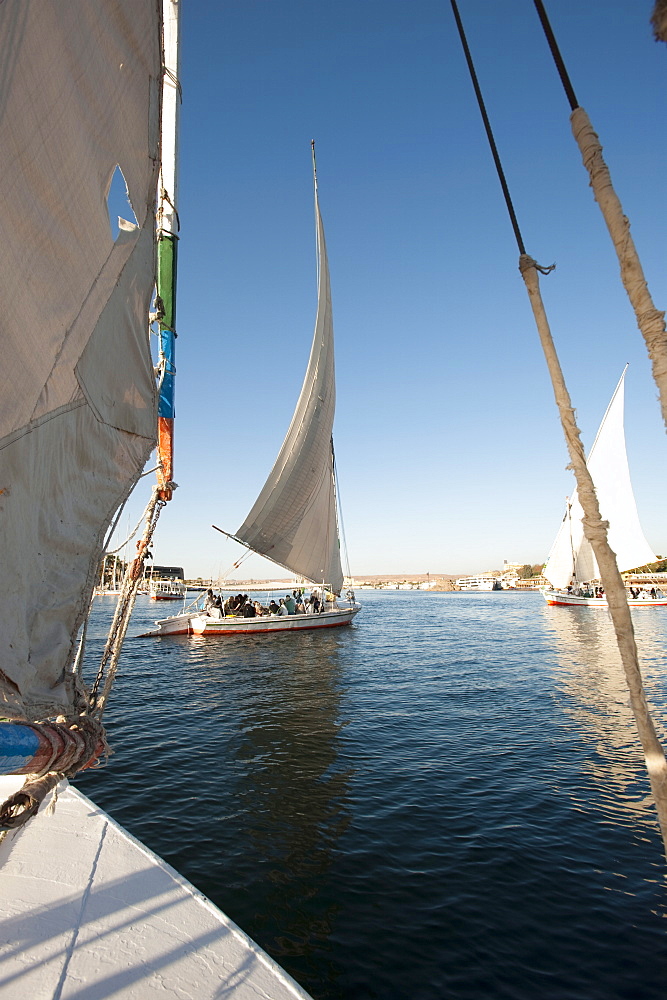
(443,801)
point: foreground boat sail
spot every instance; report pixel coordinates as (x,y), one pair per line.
(88,909)
(295,520)
(572,569)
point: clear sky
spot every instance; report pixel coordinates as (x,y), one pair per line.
(449,448)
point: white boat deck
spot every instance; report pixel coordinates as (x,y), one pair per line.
(90,913)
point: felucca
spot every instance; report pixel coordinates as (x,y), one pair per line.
(295,521)
(572,569)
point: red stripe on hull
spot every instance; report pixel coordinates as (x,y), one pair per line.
(592,603)
(263,631)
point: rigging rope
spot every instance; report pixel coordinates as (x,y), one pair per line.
(595,529)
(112,552)
(651,321)
(339,515)
(489,133)
(133,575)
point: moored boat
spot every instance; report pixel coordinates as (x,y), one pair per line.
(167,590)
(483,582)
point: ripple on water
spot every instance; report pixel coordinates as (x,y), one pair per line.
(444,800)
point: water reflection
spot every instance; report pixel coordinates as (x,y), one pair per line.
(290,789)
(593,692)
(392,779)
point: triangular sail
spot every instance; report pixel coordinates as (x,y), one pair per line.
(294,521)
(80,95)
(572,555)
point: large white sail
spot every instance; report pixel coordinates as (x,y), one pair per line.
(294,521)
(572,555)
(80,95)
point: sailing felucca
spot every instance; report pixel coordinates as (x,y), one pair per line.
(85,89)
(572,569)
(295,520)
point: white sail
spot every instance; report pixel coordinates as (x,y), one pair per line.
(572,555)
(80,95)
(294,521)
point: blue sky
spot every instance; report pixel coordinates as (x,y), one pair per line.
(450,453)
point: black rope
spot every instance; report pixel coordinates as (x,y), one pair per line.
(489,133)
(555,52)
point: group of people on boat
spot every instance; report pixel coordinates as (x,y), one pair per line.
(635,593)
(645,593)
(241,606)
(585,590)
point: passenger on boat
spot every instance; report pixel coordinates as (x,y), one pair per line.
(230,605)
(260,609)
(273,608)
(314,603)
(248,610)
(282,610)
(241,603)
(290,604)
(210,600)
(300,609)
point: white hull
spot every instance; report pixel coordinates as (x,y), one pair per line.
(203,625)
(482,582)
(166,595)
(176,625)
(561,597)
(89,910)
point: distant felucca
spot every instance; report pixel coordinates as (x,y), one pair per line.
(572,569)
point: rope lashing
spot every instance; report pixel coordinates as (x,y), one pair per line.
(526,262)
(69,746)
(76,744)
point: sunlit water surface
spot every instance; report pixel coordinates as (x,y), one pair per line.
(444,800)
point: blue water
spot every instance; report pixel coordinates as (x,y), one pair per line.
(444,800)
